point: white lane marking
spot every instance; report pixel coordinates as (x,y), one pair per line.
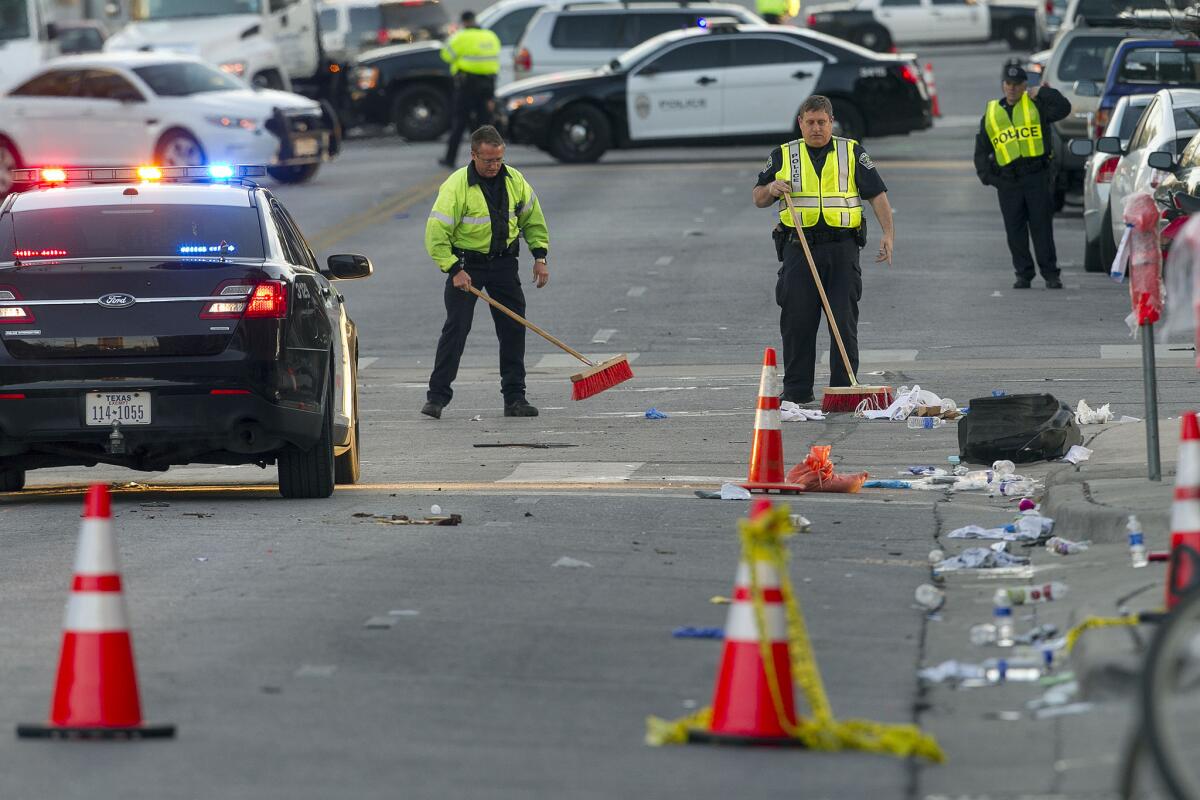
(879,356)
(572,472)
(1115,351)
(636,291)
(603,335)
(315,671)
(560,360)
(363,363)
(662,261)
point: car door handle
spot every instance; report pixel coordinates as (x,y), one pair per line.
(801,75)
(704,80)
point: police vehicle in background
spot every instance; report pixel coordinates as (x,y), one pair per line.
(726,83)
(884,24)
(153,316)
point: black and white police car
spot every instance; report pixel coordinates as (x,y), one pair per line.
(721,83)
(153,316)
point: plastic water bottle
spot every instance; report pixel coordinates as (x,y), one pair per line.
(925,423)
(1002,618)
(1003,670)
(1004,468)
(1026,595)
(1015,487)
(1137,543)
(1065,547)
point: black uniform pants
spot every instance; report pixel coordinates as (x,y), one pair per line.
(499,279)
(1028,210)
(797,296)
(472,94)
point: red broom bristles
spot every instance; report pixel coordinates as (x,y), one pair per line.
(606,376)
(877,397)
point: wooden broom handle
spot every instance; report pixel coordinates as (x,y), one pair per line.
(499,307)
(812,265)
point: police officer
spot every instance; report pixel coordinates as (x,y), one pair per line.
(471,234)
(773,11)
(474,58)
(828,177)
(1013,152)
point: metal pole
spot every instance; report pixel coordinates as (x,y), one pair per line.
(1153,458)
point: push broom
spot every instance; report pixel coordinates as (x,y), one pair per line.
(838,398)
(593,380)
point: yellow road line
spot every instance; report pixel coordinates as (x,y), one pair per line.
(381,212)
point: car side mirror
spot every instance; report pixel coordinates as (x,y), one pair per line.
(1086,88)
(1080,147)
(348,267)
(1160,159)
(1110,145)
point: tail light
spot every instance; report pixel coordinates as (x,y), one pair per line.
(1103,115)
(1170,230)
(381,36)
(10,315)
(523,61)
(812,20)
(247,300)
(909,75)
(1049,8)
(1105,173)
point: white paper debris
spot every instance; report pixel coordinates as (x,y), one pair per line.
(1078,453)
(980,558)
(791,412)
(731,491)
(573,563)
(1086,415)
(952,670)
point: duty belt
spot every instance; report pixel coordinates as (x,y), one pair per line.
(824,235)
(475,258)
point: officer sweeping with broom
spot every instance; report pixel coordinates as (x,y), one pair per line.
(820,182)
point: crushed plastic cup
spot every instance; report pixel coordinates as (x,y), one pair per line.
(929,597)
(936,556)
(1003,468)
(1065,547)
(982,634)
(435,509)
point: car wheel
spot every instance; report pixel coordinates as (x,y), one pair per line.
(179,149)
(580,134)
(1020,35)
(267,79)
(346,467)
(294,173)
(8,162)
(309,473)
(12,480)
(1060,199)
(847,121)
(872,37)
(1108,247)
(420,113)
(1091,255)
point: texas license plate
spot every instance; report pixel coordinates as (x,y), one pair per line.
(127,408)
(307,146)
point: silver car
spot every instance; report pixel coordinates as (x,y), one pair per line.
(1099,173)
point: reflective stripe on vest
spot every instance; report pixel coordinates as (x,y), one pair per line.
(833,198)
(1015,136)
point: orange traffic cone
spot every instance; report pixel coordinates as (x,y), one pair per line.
(766,452)
(743,710)
(931,85)
(96,695)
(1183,572)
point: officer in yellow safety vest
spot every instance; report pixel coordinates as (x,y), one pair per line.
(474,58)
(828,177)
(774,11)
(1014,153)
(472,235)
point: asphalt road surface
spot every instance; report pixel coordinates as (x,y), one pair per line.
(496,674)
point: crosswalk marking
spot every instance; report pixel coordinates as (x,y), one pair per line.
(572,472)
(663,261)
(636,291)
(603,335)
(366,361)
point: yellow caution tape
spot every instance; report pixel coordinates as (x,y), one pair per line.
(1098,622)
(762,540)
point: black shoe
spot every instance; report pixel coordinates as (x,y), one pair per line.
(520,408)
(1053,283)
(1022,283)
(795,398)
(432,409)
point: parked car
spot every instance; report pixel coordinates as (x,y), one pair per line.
(884,24)
(571,36)
(161,108)
(1123,13)
(406,85)
(1179,194)
(1098,177)
(1142,65)
(348,27)
(508,19)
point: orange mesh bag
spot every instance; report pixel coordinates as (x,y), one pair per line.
(815,474)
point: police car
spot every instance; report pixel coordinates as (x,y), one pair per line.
(720,83)
(155,316)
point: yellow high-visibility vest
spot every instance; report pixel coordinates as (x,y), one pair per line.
(475,51)
(833,198)
(778,8)
(461,218)
(1015,136)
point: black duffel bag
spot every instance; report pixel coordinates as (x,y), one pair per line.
(1018,428)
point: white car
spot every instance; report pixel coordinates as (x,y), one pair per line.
(1168,123)
(1098,175)
(508,19)
(166,109)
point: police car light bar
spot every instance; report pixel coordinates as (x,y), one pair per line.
(52,176)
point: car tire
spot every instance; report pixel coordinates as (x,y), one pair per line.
(1091,255)
(848,121)
(9,160)
(267,79)
(346,467)
(872,37)
(420,113)
(294,173)
(12,480)
(308,474)
(1108,247)
(1060,199)
(580,134)
(179,149)
(1019,35)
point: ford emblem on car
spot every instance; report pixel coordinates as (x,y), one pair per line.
(117,300)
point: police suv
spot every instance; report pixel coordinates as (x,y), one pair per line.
(155,316)
(719,83)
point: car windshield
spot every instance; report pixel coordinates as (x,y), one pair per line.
(1161,66)
(1086,58)
(1186,118)
(327,19)
(413,15)
(124,231)
(181,9)
(186,78)
(1109,9)
(365,24)
(14,20)
(635,54)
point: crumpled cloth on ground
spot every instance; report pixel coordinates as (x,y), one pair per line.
(907,402)
(789,412)
(980,558)
(654,413)
(1028,527)
(952,671)
(1086,415)
(815,474)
